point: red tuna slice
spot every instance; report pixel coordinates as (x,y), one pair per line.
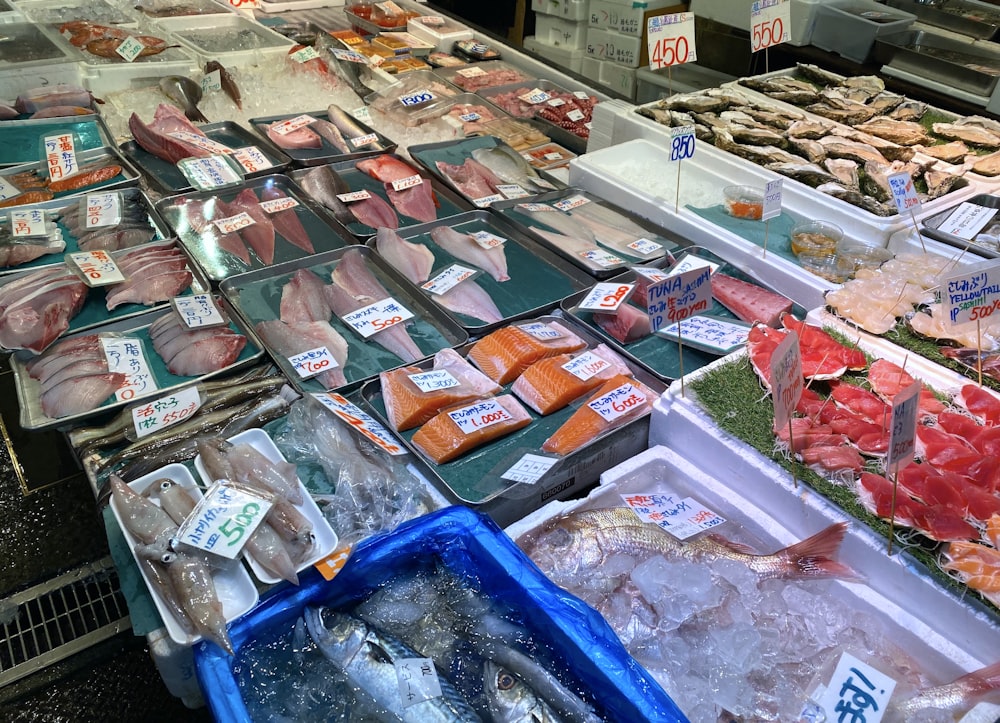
(287,222)
(810,403)
(985,473)
(155,137)
(981,403)
(875,494)
(303,137)
(862,402)
(833,459)
(873,444)
(929,405)
(385,168)
(416,202)
(981,505)
(843,421)
(761,343)
(951,457)
(942,524)
(806,433)
(749,302)
(922,482)
(823,357)
(987,440)
(888,379)
(626,325)
(960,425)
(259,236)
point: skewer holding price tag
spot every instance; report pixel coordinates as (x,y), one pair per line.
(770,21)
(771,207)
(905,195)
(676,298)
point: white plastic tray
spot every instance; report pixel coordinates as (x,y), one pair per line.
(274,45)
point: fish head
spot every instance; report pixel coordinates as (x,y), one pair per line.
(562,547)
(338,636)
(509,698)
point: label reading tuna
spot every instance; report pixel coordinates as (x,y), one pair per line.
(512,190)
(903,192)
(198,311)
(472,72)
(200,141)
(304,55)
(967,220)
(416,98)
(786,379)
(682,518)
(623,400)
(103,209)
(535,96)
(857,691)
(252,159)
(487,240)
(308,364)
(130,48)
(487,200)
(770,23)
(28,223)
(536,207)
(211,82)
(678,297)
(708,332)
(8,189)
(772,200)
(644,246)
(359,141)
(231,224)
(479,416)
(449,279)
(165,411)
(469,117)
(60,156)
(575,115)
(606,296)
(568,204)
(212,173)
(417,679)
(401,184)
(378,316)
(586,365)
(602,258)
(530,468)
(904,427)
(433,381)
(540,330)
(97,267)
(292,124)
(277,205)
(363,423)
(555,102)
(224,520)
(670,40)
(690,262)
(354,196)
(350,56)
(125,356)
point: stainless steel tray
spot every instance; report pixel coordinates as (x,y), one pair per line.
(29,390)
(538,277)
(970,66)
(964,18)
(20,138)
(930,227)
(327,153)
(256,296)
(129,175)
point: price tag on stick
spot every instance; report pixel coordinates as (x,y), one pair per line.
(682,145)
(770,22)
(786,379)
(907,201)
(771,207)
(973,295)
(670,40)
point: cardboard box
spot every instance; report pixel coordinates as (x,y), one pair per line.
(629,19)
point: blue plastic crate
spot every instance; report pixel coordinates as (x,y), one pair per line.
(470,545)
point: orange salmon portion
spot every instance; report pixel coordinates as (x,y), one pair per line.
(453,432)
(550,384)
(506,353)
(977,565)
(617,402)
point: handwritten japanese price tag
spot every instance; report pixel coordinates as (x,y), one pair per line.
(606,297)
(903,192)
(602,258)
(60,156)
(618,402)
(378,316)
(650,273)
(211,82)
(433,381)
(904,426)
(690,262)
(8,189)
(682,518)
(418,680)
(678,297)
(967,220)
(354,196)
(200,141)
(530,468)
(535,96)
(786,379)
(670,40)
(130,48)
(568,204)
(363,423)
(125,356)
(401,184)
(682,143)
(772,200)
(198,311)
(536,207)
(103,209)
(471,72)
(416,98)
(512,190)
(349,55)
(277,205)
(165,411)
(487,240)
(449,279)
(212,172)
(540,330)
(97,268)
(304,55)
(224,520)
(362,114)
(856,692)
(291,124)
(586,365)
(479,415)
(709,332)
(234,223)
(359,141)
(28,223)
(644,246)
(487,200)
(312,362)
(252,159)
(973,294)
(770,21)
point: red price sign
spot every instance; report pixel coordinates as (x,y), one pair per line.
(670,40)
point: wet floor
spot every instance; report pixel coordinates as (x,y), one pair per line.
(49,528)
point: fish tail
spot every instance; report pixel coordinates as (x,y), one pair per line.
(986,679)
(814,557)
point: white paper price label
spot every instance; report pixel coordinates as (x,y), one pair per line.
(606,297)
(786,379)
(252,159)
(350,56)
(575,115)
(469,117)
(290,125)
(435,21)
(682,143)
(277,205)
(363,423)
(359,141)
(211,82)
(512,190)
(354,196)
(967,220)
(97,267)
(670,40)
(8,189)
(681,517)
(417,679)
(770,23)
(309,363)
(535,96)
(416,98)
(479,415)
(678,297)
(198,311)
(60,156)
(487,240)
(433,381)
(103,209)
(487,200)
(707,331)
(555,102)
(650,273)
(362,114)
(375,317)
(602,258)
(536,207)
(130,48)
(165,411)
(473,72)
(207,174)
(540,330)
(304,55)
(28,223)
(690,262)
(401,184)
(618,402)
(582,95)
(126,356)
(856,691)
(585,366)
(224,520)
(552,156)
(645,247)
(530,468)
(199,141)
(568,204)
(904,426)
(772,200)
(231,224)
(903,192)
(449,279)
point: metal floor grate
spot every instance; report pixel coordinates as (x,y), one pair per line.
(60,617)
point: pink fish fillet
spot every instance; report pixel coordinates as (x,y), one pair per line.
(465,248)
(81,368)
(414,261)
(472,178)
(395,340)
(14,291)
(170,344)
(628,324)
(42,315)
(207,355)
(417,201)
(287,222)
(470,299)
(150,290)
(155,138)
(302,299)
(288,339)
(82,346)
(231,243)
(299,138)
(374,212)
(259,236)
(332,135)
(80,394)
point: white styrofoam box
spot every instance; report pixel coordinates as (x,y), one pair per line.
(192,32)
(655,84)
(175,663)
(560,32)
(575,10)
(803,14)
(565,57)
(850,27)
(945,634)
(101,78)
(610,45)
(442,38)
(614,76)
(627,18)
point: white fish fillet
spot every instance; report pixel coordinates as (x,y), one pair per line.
(465,248)
(414,261)
(470,299)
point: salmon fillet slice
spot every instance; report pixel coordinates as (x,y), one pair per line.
(506,353)
(550,384)
(453,432)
